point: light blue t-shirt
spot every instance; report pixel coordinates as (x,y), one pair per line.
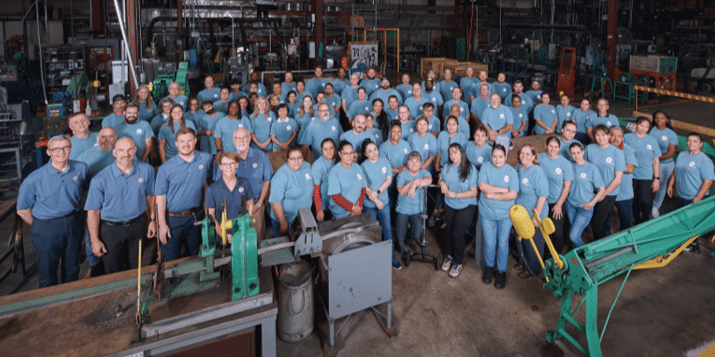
(503,89)
(348,182)
(377,172)
(469,86)
(112,120)
(212,95)
(478,106)
(445,89)
(140,131)
(450,176)
(225,127)
(293,189)
(564,114)
(315,85)
(586,181)
(358,107)
(405,91)
(96,160)
(319,130)
(547,114)
(664,138)
(320,170)
(411,205)
(504,176)
(533,185)
(608,160)
(81,145)
(166,134)
(408,129)
(608,121)
(349,95)
(626,188)
(557,171)
(525,101)
(181,100)
(333,101)
(262,129)
(195,117)
(339,85)
(520,116)
(434,125)
(415,106)
(425,145)
(208,144)
(498,118)
(370,85)
(385,95)
(564,150)
(646,149)
(146,114)
(444,141)
(535,95)
(463,108)
(433,97)
(478,156)
(283,130)
(375,135)
(158,121)
(222,107)
(582,119)
(395,154)
(356,139)
(690,171)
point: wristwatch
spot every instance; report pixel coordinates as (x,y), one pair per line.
(656,178)
(379,191)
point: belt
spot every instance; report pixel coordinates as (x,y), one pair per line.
(124,223)
(65,216)
(183,214)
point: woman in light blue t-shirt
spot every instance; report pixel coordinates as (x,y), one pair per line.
(581,199)
(668,143)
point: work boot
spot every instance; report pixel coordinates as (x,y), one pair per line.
(487,275)
(500,281)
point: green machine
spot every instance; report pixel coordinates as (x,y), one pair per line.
(160,85)
(580,271)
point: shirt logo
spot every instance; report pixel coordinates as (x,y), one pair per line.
(649,147)
(434,99)
(480,159)
(503,90)
(521,115)
(420,108)
(583,175)
(568,114)
(664,138)
(461,109)
(215,95)
(412,130)
(74,178)
(608,123)
(269,119)
(240,189)
(96,145)
(377,86)
(377,136)
(426,146)
(506,178)
(384,170)
(558,171)
(334,129)
(323,84)
(255,165)
(406,151)
(141,179)
(139,131)
(359,177)
(692,164)
(288,128)
(367,109)
(609,160)
(525,181)
(409,92)
(201,167)
(501,116)
(553,111)
(307,177)
(240,125)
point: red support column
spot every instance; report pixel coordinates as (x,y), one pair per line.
(132,35)
(318,11)
(612,38)
(179,24)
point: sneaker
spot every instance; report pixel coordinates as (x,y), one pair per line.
(396,265)
(654,212)
(447,263)
(432,220)
(487,275)
(695,248)
(500,281)
(444,225)
(456,269)
(406,257)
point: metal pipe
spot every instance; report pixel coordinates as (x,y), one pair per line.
(39,44)
(126,43)
(608,257)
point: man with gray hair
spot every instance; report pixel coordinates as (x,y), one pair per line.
(174,95)
(49,201)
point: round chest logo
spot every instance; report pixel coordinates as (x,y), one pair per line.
(288,128)
(461,109)
(568,114)
(377,86)
(521,115)
(323,84)
(141,179)
(74,178)
(608,123)
(215,95)
(503,90)
(525,181)
(426,146)
(664,138)
(255,165)
(201,167)
(430,127)
(269,119)
(96,145)
(384,170)
(409,92)
(692,164)
(501,116)
(240,189)
(420,108)
(558,171)
(359,177)
(412,130)
(649,147)
(609,160)
(367,109)
(506,178)
(240,125)
(334,129)
(307,177)
(405,151)
(553,111)
(434,99)
(139,132)
(480,159)
(377,136)
(583,175)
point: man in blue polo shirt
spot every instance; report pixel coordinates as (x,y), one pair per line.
(179,189)
(139,131)
(255,166)
(341,82)
(119,103)
(332,98)
(120,209)
(360,106)
(416,101)
(317,84)
(49,201)
(319,130)
(499,122)
(82,139)
(210,93)
(288,84)
(357,135)
(174,95)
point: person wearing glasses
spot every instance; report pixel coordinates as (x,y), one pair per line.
(232,190)
(568,137)
(291,189)
(320,170)
(346,184)
(49,201)
(406,122)
(179,188)
(318,130)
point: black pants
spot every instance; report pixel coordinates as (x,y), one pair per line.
(602,212)
(122,243)
(558,236)
(642,200)
(458,222)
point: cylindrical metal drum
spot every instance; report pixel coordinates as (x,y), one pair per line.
(295,302)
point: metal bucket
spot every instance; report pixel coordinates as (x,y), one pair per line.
(295,302)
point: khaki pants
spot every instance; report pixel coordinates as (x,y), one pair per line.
(260,224)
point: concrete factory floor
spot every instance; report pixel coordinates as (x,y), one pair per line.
(662,312)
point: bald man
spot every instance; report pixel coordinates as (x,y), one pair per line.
(120,208)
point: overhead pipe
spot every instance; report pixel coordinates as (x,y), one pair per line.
(123,29)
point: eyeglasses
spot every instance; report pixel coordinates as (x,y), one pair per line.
(348,152)
(296,158)
(224,164)
(56,150)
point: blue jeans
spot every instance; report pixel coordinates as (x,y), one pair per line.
(496,233)
(182,230)
(55,240)
(92,259)
(527,256)
(625,215)
(276,228)
(383,216)
(416,229)
(579,218)
(666,170)
(683,202)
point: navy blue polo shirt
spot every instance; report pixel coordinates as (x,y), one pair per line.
(121,197)
(183,181)
(51,193)
(218,193)
(256,168)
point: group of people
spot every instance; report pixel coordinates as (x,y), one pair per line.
(375,149)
